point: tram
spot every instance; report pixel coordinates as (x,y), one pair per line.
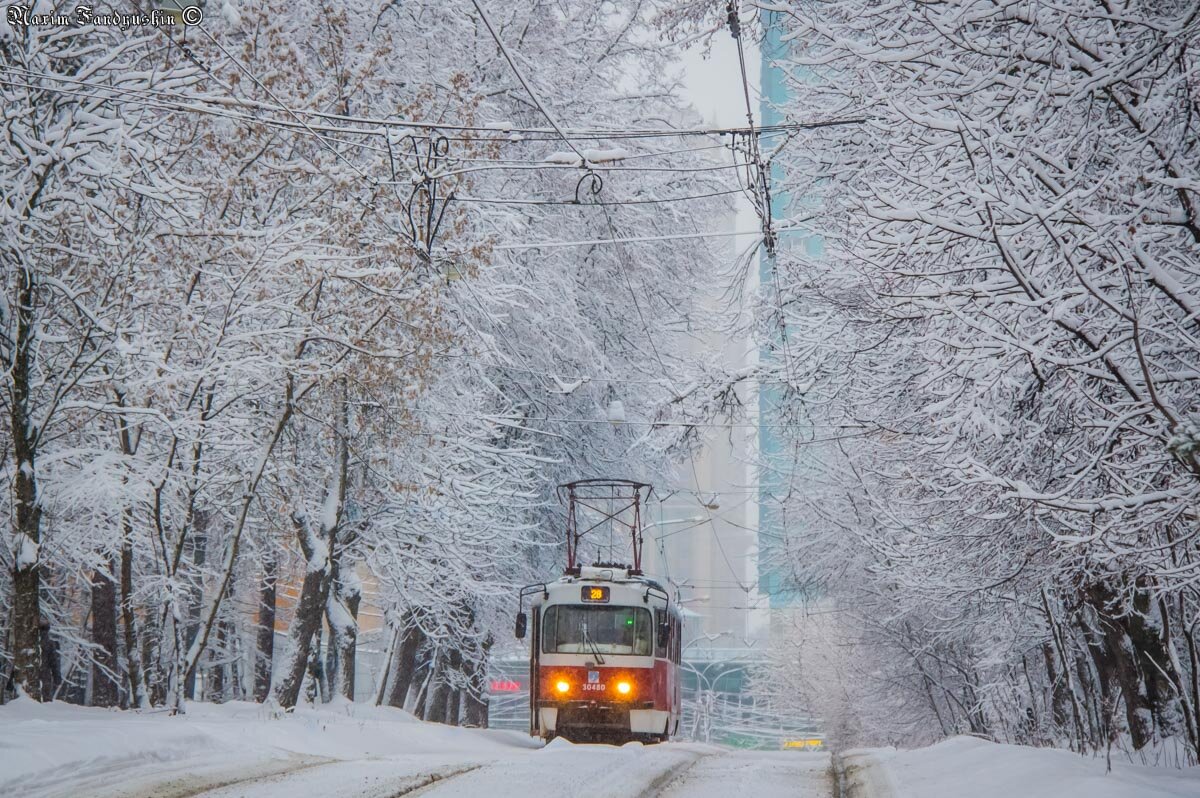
(605,638)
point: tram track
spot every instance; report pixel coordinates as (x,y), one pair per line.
(751,772)
(199,791)
(672,777)
(395,784)
(434,779)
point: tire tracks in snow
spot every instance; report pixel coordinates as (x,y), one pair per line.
(671,777)
(135,777)
(434,779)
(388,783)
(600,771)
(354,778)
(163,790)
(752,772)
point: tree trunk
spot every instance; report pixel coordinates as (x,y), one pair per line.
(1194,660)
(439,698)
(1093,712)
(209,615)
(1106,677)
(1147,630)
(138,695)
(304,626)
(319,554)
(195,597)
(264,653)
(237,664)
(318,687)
(1139,713)
(51,676)
(1059,637)
(156,683)
(218,683)
(27,647)
(386,674)
(27,512)
(1060,703)
(341,611)
(454,674)
(106,678)
(406,661)
(422,678)
(475,700)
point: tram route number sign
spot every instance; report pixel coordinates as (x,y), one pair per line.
(594,594)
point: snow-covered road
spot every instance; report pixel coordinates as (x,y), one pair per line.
(752,774)
(667,771)
(343,750)
(558,771)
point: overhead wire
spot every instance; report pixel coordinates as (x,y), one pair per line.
(517,136)
(154,99)
(169,100)
(866,429)
(558,374)
(246,71)
(167,105)
(364,146)
(635,239)
(596,203)
(533,94)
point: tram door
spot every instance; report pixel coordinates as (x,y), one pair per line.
(535,649)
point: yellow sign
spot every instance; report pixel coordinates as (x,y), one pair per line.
(594,594)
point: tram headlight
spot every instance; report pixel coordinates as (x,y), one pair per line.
(624,688)
(562,686)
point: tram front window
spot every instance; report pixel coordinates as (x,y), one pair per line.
(570,629)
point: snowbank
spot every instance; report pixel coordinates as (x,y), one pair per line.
(966,766)
(63,750)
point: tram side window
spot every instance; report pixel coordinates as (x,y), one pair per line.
(676,641)
(660,640)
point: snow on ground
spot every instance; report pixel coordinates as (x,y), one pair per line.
(344,750)
(965,767)
(565,769)
(753,774)
(50,750)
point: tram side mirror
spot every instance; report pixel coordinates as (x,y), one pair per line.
(522,621)
(664,632)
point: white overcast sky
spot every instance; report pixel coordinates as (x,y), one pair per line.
(714,84)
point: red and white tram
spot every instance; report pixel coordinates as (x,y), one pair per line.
(605,642)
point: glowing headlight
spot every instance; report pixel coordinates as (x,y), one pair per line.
(624,687)
(562,687)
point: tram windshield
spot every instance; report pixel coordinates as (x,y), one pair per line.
(572,629)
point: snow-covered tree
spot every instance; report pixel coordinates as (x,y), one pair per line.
(1005,308)
(271,327)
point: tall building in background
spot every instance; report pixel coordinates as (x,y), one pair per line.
(777,464)
(702,533)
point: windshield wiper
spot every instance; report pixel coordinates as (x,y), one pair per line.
(587,641)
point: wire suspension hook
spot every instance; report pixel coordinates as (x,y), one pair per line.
(426,207)
(595,186)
